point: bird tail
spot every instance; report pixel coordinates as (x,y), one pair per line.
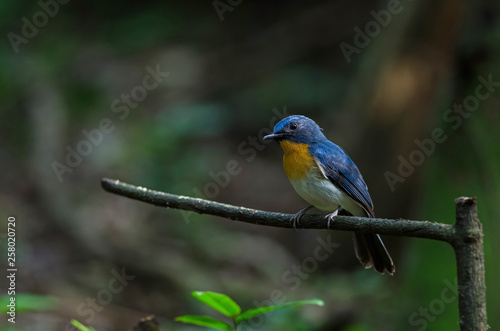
(371,252)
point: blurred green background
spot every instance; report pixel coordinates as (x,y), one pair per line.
(233,68)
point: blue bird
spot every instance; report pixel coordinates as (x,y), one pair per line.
(326,177)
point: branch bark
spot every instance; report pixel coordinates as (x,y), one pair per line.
(469,254)
(465,236)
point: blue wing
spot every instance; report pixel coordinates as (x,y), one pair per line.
(342,172)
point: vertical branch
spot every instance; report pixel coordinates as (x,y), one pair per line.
(470,266)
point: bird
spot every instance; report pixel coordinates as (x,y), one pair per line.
(324,175)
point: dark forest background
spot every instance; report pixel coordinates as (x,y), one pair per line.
(233,68)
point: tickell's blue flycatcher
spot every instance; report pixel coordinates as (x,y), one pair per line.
(326,177)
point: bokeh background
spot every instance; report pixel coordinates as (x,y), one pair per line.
(233,68)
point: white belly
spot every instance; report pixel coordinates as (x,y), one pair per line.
(322,194)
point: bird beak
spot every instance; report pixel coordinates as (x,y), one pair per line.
(271,136)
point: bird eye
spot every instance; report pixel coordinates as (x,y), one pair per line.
(293,126)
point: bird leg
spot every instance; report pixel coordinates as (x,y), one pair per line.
(296,217)
(330,216)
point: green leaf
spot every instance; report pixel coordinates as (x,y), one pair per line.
(25,302)
(80,326)
(219,302)
(257,311)
(204,321)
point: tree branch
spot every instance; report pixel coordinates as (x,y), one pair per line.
(420,229)
(465,236)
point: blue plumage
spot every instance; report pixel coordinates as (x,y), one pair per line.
(342,172)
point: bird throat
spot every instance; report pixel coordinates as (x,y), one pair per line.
(297,161)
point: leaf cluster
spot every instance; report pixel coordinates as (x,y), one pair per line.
(229,308)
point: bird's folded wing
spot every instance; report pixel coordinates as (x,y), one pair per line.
(338,167)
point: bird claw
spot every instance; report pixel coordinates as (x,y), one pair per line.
(330,216)
(296,217)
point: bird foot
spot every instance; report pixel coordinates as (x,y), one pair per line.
(330,216)
(296,217)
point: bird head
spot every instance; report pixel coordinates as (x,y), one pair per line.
(298,129)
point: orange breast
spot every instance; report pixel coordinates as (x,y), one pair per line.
(297,161)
